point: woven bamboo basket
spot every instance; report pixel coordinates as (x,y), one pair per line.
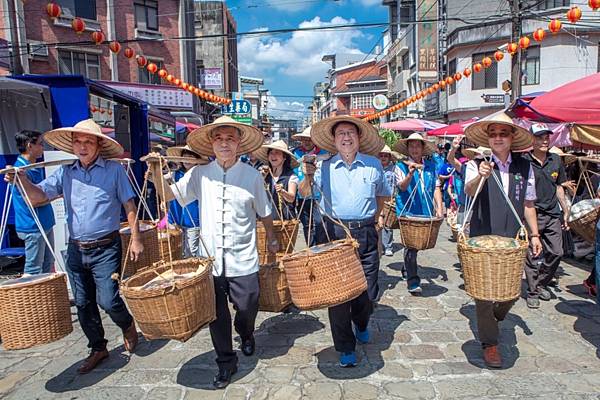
(274,292)
(177,311)
(585,226)
(390,220)
(34,311)
(492,274)
(419,233)
(286,233)
(175,236)
(149,256)
(324,276)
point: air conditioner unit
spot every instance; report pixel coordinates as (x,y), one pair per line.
(38,49)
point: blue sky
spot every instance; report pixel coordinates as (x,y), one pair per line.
(291,64)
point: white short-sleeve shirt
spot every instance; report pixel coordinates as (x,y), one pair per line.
(229,202)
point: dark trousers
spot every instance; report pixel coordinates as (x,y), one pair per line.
(411,266)
(539,271)
(317,230)
(489,313)
(243,293)
(92,285)
(358,310)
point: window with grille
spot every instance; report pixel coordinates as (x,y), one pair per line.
(548,4)
(78,8)
(362,101)
(406,61)
(531,66)
(144,76)
(488,77)
(451,72)
(75,63)
(146,14)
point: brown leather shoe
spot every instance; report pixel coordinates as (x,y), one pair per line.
(130,338)
(92,361)
(492,357)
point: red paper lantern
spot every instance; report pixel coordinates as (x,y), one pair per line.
(129,53)
(191,89)
(512,48)
(197,91)
(162,73)
(115,47)
(141,61)
(477,67)
(486,62)
(98,37)
(53,10)
(170,78)
(498,55)
(457,76)
(419,96)
(538,34)
(184,85)
(176,81)
(430,90)
(594,4)
(524,42)
(449,80)
(152,68)
(78,25)
(574,14)
(443,84)
(436,86)
(554,26)
(467,72)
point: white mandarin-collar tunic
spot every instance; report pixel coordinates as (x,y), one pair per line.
(229,201)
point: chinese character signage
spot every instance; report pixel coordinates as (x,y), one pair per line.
(156,95)
(427,36)
(237,107)
(212,78)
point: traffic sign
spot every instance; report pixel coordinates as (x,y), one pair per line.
(237,107)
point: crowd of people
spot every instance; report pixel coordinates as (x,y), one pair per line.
(341,173)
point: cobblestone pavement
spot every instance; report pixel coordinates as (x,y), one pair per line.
(421,348)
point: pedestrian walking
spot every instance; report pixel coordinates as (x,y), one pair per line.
(417,176)
(94,190)
(549,176)
(491,213)
(353,191)
(390,174)
(230,195)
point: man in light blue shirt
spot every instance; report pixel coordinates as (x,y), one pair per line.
(353,190)
(94,191)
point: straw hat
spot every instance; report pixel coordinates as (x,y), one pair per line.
(263,153)
(386,149)
(62,138)
(177,151)
(305,134)
(566,157)
(199,139)
(477,132)
(370,141)
(472,153)
(401,145)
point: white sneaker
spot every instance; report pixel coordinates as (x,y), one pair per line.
(389,253)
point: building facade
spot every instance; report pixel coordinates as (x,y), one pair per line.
(216,56)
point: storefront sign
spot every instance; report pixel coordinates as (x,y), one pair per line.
(427,38)
(380,102)
(212,78)
(243,119)
(237,107)
(493,98)
(157,95)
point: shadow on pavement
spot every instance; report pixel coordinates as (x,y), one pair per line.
(274,338)
(507,341)
(584,324)
(384,322)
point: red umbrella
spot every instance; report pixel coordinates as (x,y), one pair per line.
(455,129)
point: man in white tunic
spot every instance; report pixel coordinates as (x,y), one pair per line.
(230,195)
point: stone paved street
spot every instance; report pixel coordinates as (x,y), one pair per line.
(421,348)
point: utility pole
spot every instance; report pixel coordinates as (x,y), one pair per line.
(515,10)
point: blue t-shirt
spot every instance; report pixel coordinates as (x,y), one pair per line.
(299,152)
(422,203)
(178,215)
(24,221)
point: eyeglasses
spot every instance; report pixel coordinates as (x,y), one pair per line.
(346,133)
(502,134)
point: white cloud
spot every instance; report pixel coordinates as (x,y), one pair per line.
(299,56)
(284,109)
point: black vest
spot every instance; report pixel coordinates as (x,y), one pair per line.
(288,209)
(491,214)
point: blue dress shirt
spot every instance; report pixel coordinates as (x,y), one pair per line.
(178,215)
(350,191)
(93,197)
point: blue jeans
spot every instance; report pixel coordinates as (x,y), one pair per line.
(38,257)
(90,275)
(387,239)
(597,262)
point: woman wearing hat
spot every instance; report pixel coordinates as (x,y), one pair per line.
(418,175)
(390,172)
(94,191)
(187,218)
(491,213)
(280,179)
(353,191)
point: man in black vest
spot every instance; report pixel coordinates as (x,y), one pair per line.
(549,176)
(491,213)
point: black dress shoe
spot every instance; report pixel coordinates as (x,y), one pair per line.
(248,346)
(223,378)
